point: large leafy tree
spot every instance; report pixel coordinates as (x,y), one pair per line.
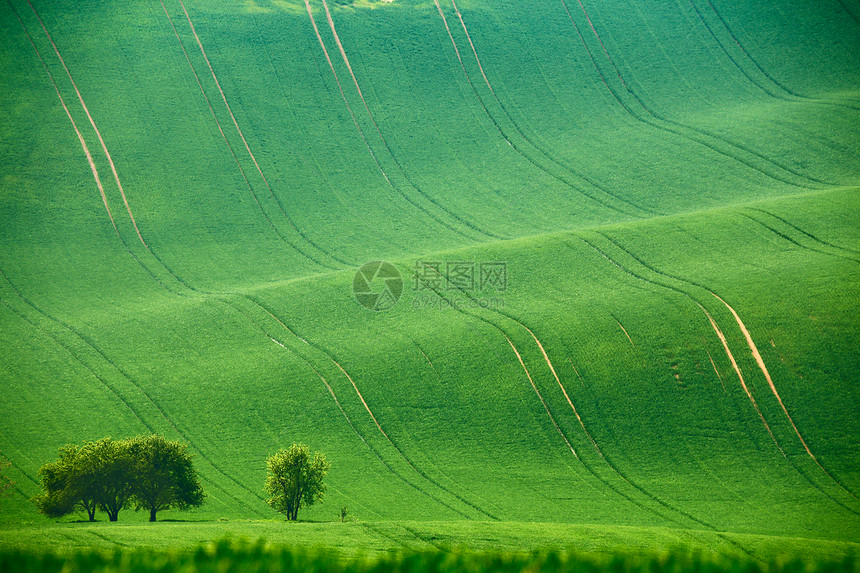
(113,467)
(97,475)
(295,480)
(164,476)
(94,476)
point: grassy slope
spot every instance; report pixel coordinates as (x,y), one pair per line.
(623,178)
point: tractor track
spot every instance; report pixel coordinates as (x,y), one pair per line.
(713,142)
(253,158)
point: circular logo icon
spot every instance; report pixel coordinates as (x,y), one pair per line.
(377,285)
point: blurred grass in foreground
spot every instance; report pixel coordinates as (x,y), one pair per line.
(244,557)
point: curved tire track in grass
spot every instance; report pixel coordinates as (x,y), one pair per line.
(566,440)
(400,167)
(797,468)
(111,364)
(529,141)
(239,165)
(759,67)
(763,367)
(796,243)
(717,372)
(540,397)
(138,260)
(849,12)
(331,357)
(280,205)
(807,234)
(90,117)
(361,133)
(838,483)
(737,370)
(86,149)
(696,135)
(346,416)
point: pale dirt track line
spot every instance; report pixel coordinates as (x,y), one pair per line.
(343,94)
(381,136)
(760,361)
(737,369)
(717,372)
(624,330)
(74,125)
(474,51)
(92,123)
(245,143)
(564,391)
(223,96)
(540,397)
(208,103)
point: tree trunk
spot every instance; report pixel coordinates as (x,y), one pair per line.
(113,516)
(152,514)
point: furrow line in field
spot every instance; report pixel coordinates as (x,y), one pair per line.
(92,122)
(764,72)
(564,391)
(90,344)
(749,340)
(376,161)
(575,371)
(849,12)
(590,181)
(127,248)
(71,119)
(734,364)
(763,367)
(113,168)
(624,330)
(394,445)
(346,416)
(517,148)
(391,153)
(424,354)
(585,464)
(540,397)
(717,372)
(737,370)
(236,158)
(731,58)
(272,194)
(693,134)
(80,361)
(793,242)
(799,230)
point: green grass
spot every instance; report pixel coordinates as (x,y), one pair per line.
(228,555)
(627,161)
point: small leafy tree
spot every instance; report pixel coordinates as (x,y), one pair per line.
(164,476)
(295,480)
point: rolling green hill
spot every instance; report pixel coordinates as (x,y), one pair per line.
(670,189)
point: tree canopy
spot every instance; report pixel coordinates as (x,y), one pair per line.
(108,475)
(295,480)
(163,475)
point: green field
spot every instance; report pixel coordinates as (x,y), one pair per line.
(670,188)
